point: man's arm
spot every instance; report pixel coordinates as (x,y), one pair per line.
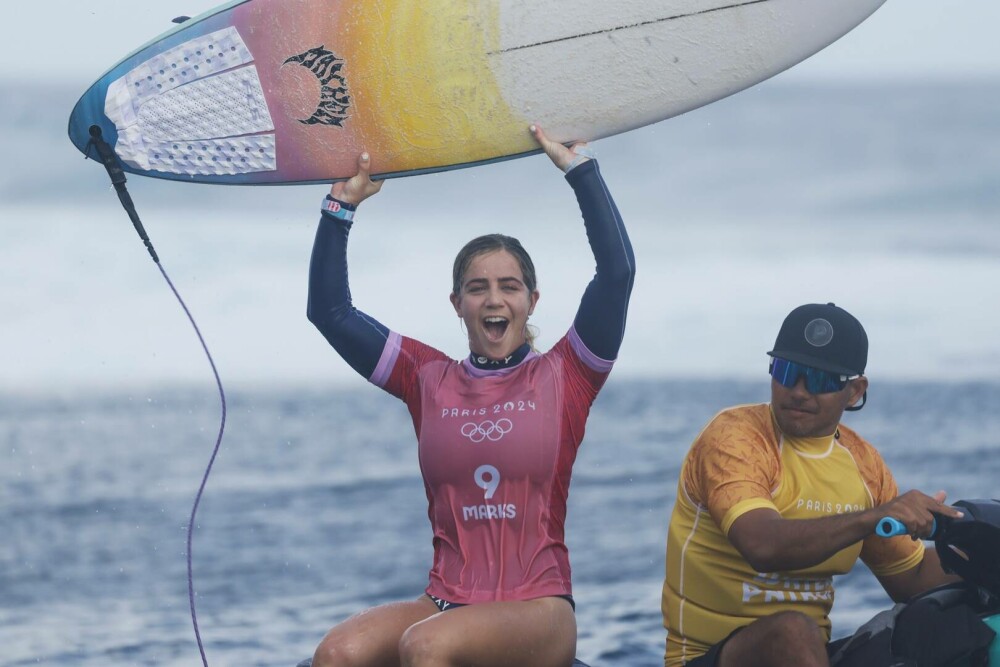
(926,575)
(770,543)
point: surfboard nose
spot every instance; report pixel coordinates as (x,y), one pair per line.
(85,114)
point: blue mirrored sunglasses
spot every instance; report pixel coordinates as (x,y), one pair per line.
(817,381)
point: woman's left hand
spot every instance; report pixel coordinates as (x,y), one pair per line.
(360,186)
(561,156)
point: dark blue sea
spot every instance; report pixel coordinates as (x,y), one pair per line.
(315,510)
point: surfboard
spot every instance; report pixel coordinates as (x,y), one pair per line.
(290,91)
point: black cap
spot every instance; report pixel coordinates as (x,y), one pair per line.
(823,336)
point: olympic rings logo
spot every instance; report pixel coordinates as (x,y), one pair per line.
(488,430)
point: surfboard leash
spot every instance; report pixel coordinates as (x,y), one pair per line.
(110,161)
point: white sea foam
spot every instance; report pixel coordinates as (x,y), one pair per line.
(880,198)
(83,305)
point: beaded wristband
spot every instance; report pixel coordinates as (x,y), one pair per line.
(337,209)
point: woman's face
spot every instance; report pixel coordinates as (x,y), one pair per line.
(495,304)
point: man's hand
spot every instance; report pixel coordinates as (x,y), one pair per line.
(916,510)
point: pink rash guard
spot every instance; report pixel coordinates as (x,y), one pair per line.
(496,450)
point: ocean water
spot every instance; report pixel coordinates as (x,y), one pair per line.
(881,196)
(315,510)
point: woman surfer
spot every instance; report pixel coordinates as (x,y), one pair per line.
(497,436)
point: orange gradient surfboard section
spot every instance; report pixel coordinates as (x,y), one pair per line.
(290,91)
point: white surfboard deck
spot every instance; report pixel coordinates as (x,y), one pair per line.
(290,91)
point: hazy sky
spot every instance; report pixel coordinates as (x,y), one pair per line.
(70,39)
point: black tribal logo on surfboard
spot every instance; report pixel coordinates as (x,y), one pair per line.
(333,97)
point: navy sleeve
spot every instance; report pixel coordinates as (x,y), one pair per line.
(358,338)
(600,321)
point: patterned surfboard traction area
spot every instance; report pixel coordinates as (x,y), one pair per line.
(197,108)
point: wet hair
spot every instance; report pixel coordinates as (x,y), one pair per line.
(482,245)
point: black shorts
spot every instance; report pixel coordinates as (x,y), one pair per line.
(444,605)
(711,657)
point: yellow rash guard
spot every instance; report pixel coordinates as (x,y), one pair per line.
(741,462)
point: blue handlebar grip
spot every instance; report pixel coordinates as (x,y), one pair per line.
(890,527)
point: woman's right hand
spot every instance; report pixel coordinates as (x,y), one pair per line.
(359,187)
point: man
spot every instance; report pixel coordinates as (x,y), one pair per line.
(775,499)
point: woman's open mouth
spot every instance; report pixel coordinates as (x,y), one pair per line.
(495,327)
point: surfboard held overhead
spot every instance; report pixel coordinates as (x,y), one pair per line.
(272,91)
